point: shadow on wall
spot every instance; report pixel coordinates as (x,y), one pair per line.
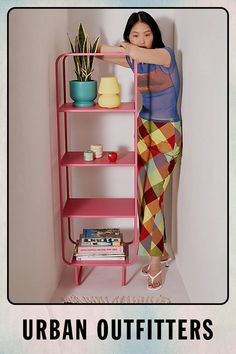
(166,26)
(177,169)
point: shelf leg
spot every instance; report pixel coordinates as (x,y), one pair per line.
(123,281)
(78,275)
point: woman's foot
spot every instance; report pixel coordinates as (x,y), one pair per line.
(154,274)
(165,258)
(145,270)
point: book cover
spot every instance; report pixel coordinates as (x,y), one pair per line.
(91,243)
(91,233)
(99,241)
(100,249)
(100,258)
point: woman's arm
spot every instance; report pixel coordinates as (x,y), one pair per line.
(159,56)
(113,59)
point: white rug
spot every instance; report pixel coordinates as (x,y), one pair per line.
(73,299)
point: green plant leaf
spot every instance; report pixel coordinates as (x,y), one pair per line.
(93,49)
(84,63)
(81,35)
(73,50)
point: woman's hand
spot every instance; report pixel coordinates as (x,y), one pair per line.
(158,56)
(132,50)
(104,48)
(128,47)
(110,48)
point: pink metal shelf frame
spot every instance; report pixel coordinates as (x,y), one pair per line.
(93,207)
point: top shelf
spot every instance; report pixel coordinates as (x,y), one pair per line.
(124,107)
(100,54)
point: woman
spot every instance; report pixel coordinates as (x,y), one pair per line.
(159,132)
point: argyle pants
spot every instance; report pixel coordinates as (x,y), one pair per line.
(159,145)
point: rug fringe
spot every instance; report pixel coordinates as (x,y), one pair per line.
(73,299)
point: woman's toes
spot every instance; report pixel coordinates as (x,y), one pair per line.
(155,285)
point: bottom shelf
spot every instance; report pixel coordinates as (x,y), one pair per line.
(78,269)
(108,244)
(99,263)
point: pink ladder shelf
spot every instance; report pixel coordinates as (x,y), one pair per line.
(92,207)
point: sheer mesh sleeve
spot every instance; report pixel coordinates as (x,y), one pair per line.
(172,62)
(130,62)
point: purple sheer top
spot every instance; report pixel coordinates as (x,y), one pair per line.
(159,87)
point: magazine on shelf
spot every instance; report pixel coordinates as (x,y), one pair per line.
(101,233)
(88,245)
(96,253)
(100,249)
(99,241)
(104,257)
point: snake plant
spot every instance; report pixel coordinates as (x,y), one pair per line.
(83,64)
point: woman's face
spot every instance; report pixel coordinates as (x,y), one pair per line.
(141,35)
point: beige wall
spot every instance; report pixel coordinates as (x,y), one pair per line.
(36,39)
(201,237)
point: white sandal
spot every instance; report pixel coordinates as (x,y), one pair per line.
(152,278)
(166,261)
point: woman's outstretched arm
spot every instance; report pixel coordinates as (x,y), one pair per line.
(159,56)
(113,59)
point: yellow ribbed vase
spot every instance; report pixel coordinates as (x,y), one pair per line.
(109,101)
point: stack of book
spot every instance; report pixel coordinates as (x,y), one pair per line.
(100,244)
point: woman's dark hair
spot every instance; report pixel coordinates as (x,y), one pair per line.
(143,16)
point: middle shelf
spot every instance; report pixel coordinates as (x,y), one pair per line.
(99,208)
(76,158)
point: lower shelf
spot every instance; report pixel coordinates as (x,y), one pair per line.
(99,208)
(78,268)
(99,263)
